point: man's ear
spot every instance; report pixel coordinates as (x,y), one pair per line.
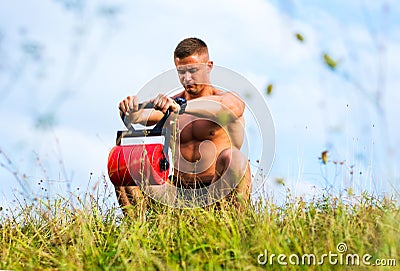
(210,65)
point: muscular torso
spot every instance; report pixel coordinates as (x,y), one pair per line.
(200,142)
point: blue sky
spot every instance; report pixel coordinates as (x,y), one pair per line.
(71,62)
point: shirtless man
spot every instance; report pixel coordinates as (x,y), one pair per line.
(210,132)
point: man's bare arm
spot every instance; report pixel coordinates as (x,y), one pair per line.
(222,107)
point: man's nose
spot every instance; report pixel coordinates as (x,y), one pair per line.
(187,76)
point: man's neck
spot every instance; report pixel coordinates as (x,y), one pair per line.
(207,90)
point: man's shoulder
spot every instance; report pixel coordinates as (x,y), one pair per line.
(219,92)
(230,95)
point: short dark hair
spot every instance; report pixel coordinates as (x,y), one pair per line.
(190,46)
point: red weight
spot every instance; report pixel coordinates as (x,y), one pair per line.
(137,165)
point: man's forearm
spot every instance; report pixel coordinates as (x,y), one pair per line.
(213,108)
(146,117)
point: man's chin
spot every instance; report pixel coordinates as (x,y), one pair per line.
(191,88)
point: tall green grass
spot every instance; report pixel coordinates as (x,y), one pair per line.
(86,234)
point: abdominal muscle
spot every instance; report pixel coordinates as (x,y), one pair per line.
(200,143)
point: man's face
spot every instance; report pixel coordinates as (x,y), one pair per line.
(194,72)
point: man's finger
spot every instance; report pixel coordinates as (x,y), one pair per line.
(126,104)
(163,105)
(130,106)
(158,103)
(122,107)
(135,104)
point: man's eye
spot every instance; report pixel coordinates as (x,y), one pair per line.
(190,70)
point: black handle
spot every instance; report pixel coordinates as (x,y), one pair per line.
(147,105)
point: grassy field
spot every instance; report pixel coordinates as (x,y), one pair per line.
(86,234)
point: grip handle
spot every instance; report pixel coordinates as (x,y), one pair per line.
(146,105)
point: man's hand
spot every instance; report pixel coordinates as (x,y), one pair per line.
(133,114)
(129,106)
(162,103)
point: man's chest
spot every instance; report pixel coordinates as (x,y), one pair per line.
(192,128)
